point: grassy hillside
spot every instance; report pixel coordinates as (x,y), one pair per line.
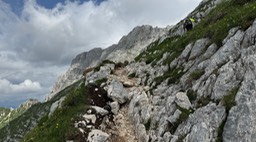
(215,26)
(18,127)
(59,126)
(7,115)
(3,116)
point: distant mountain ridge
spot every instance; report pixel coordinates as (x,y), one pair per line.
(7,115)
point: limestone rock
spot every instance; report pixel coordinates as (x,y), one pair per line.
(114,107)
(117,92)
(97,136)
(182,100)
(126,50)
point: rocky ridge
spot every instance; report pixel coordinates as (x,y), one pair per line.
(212,99)
(196,90)
(127,48)
(170,113)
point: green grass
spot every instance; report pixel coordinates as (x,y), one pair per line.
(102,64)
(10,115)
(203,101)
(192,95)
(4,118)
(132,75)
(100,81)
(20,126)
(220,130)
(196,74)
(183,117)
(230,99)
(173,75)
(59,126)
(224,17)
(215,27)
(155,51)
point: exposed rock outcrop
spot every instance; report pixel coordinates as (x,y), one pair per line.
(201,91)
(127,48)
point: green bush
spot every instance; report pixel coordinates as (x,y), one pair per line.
(196,74)
(173,75)
(132,75)
(230,99)
(183,117)
(102,64)
(100,81)
(192,95)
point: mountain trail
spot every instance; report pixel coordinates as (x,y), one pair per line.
(122,130)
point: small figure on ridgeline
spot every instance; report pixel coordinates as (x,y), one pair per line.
(188,24)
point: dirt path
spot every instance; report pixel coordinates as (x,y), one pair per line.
(122,130)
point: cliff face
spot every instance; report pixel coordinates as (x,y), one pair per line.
(127,48)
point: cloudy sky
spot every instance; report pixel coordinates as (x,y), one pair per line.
(39,38)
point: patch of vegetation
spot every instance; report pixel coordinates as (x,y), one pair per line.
(183,117)
(100,81)
(18,127)
(147,125)
(59,126)
(220,131)
(184,113)
(102,64)
(173,75)
(242,2)
(192,95)
(215,26)
(155,50)
(196,74)
(230,99)
(203,101)
(121,65)
(4,119)
(224,17)
(216,71)
(132,75)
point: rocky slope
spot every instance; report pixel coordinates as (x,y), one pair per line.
(7,115)
(127,48)
(196,86)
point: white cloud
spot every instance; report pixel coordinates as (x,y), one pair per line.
(55,36)
(41,42)
(6,87)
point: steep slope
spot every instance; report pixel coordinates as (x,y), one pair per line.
(196,86)
(15,130)
(127,48)
(7,115)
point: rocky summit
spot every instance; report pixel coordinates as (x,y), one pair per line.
(167,85)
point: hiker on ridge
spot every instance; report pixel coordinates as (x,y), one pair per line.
(188,24)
